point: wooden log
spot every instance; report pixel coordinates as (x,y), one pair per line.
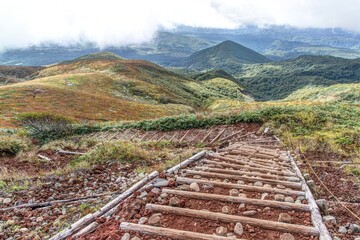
(153,136)
(162,137)
(60,151)
(241,162)
(184,180)
(186,162)
(316,217)
(196,135)
(86,230)
(112,136)
(124,133)
(183,137)
(236,166)
(238,172)
(231,135)
(231,199)
(173,137)
(133,136)
(248,179)
(217,136)
(170,233)
(253,154)
(44,157)
(144,136)
(88,219)
(271,225)
(271,163)
(207,135)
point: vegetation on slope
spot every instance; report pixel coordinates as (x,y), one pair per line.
(277,80)
(14,74)
(104,90)
(337,92)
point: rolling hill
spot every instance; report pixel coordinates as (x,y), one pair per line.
(227,55)
(100,87)
(277,80)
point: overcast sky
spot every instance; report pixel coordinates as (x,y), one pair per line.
(120,22)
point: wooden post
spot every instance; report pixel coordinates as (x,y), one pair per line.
(207,135)
(272,225)
(217,137)
(187,162)
(230,136)
(181,139)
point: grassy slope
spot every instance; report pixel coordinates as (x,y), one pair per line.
(274,81)
(114,89)
(337,92)
(14,74)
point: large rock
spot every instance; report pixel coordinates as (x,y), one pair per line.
(323,206)
(126,236)
(329,219)
(160,182)
(7,200)
(154,219)
(195,187)
(174,201)
(287,236)
(238,229)
(279,197)
(342,229)
(221,231)
(354,228)
(234,192)
(285,218)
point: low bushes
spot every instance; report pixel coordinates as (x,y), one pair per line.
(13,144)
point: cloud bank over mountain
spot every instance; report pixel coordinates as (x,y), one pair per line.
(121,22)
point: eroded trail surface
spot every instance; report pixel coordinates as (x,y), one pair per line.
(247,190)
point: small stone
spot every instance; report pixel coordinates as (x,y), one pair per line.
(329,219)
(249,213)
(195,187)
(225,209)
(342,229)
(156,191)
(174,201)
(298,202)
(7,200)
(258,184)
(135,238)
(242,206)
(221,231)
(164,195)
(207,186)
(300,198)
(285,218)
(197,176)
(280,186)
(23,230)
(183,187)
(143,220)
(289,199)
(238,229)
(154,219)
(264,195)
(39,219)
(287,236)
(126,236)
(240,182)
(267,186)
(243,195)
(279,197)
(234,192)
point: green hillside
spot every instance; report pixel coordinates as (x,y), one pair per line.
(337,92)
(227,56)
(277,80)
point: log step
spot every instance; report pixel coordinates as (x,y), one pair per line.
(227,218)
(293,185)
(184,180)
(222,198)
(171,233)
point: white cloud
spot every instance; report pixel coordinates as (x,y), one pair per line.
(120,22)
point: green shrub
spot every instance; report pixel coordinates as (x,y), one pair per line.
(46,126)
(114,151)
(13,144)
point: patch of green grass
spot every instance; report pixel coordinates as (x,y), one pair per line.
(11,144)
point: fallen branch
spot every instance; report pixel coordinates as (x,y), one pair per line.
(60,151)
(44,157)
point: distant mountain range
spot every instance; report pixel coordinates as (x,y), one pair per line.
(274,42)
